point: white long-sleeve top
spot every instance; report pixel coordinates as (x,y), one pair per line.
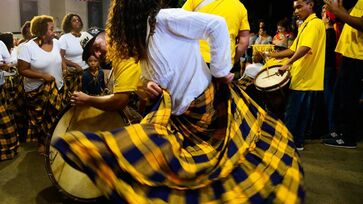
(174,60)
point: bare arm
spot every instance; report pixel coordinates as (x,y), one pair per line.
(342,14)
(281,54)
(25,70)
(68,62)
(112,102)
(300,52)
(243,38)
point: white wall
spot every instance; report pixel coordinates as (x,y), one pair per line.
(10,16)
(78,7)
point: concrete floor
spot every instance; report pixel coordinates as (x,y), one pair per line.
(332,175)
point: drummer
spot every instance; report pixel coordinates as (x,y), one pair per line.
(125,74)
(306,64)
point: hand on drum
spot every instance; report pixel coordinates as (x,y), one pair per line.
(283,69)
(78,98)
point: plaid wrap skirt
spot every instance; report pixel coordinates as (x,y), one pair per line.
(9,138)
(224,149)
(43,106)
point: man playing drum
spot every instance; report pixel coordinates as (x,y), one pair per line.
(307,69)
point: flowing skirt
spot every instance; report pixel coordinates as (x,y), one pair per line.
(224,149)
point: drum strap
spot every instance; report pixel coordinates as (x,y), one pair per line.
(299,35)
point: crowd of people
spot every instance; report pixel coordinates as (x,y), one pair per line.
(204,136)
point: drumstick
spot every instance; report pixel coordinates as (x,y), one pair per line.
(276,73)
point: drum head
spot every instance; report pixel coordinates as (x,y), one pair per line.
(269,79)
(71,182)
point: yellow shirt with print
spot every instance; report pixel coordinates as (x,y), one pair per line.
(126,75)
(307,73)
(233,12)
(350,43)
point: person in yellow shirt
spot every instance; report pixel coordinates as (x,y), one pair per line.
(349,84)
(126,75)
(235,14)
(306,65)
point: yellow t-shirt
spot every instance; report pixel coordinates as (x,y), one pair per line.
(126,75)
(307,73)
(350,43)
(233,12)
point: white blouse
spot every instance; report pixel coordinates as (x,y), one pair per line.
(174,59)
(73,49)
(43,61)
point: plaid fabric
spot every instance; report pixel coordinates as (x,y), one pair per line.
(43,106)
(15,97)
(9,139)
(224,149)
(73,80)
(245,82)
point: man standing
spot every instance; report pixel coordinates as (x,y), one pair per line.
(349,84)
(235,14)
(306,65)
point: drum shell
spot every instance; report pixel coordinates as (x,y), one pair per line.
(69,181)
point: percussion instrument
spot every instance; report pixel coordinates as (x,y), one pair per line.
(273,88)
(70,181)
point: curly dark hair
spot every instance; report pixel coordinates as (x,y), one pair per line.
(8,40)
(67,22)
(25,29)
(126,26)
(39,25)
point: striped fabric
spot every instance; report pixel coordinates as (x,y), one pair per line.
(43,106)
(224,149)
(73,80)
(9,139)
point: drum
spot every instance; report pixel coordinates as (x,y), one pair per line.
(71,182)
(273,88)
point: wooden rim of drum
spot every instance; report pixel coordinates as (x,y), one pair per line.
(283,82)
(49,168)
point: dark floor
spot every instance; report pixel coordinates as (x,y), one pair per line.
(332,175)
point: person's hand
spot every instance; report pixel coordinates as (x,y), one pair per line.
(5,67)
(335,6)
(284,68)
(79,98)
(226,79)
(48,78)
(153,90)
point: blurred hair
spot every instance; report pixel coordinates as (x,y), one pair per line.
(67,22)
(39,25)
(25,29)
(8,40)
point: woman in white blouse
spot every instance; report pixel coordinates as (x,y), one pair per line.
(71,49)
(205,140)
(40,63)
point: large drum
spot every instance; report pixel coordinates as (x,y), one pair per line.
(274,89)
(71,182)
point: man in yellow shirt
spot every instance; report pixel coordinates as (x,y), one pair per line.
(349,84)
(235,14)
(306,65)
(126,75)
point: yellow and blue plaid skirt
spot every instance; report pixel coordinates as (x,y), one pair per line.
(224,149)
(43,106)
(9,138)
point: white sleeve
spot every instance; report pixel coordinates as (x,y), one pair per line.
(5,55)
(63,42)
(24,53)
(195,25)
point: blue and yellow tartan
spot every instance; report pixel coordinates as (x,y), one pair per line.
(9,138)
(224,149)
(43,106)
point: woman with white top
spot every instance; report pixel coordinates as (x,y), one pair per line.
(71,50)
(41,65)
(9,138)
(205,140)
